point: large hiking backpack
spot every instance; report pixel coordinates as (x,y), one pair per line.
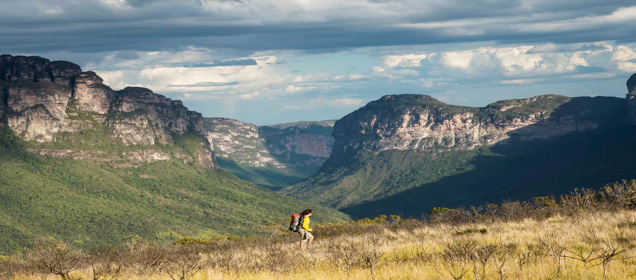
(295,224)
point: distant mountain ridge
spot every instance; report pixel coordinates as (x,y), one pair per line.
(407,153)
(272,156)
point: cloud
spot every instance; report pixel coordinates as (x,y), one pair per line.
(326,102)
(222,54)
(206,84)
(510,61)
(235,62)
(118,25)
(250,95)
(409,60)
(519,81)
(623,53)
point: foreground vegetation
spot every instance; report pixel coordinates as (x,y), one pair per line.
(583,235)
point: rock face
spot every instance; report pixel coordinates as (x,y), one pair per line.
(44,101)
(417,148)
(293,150)
(421,123)
(631,98)
(36,69)
(90,94)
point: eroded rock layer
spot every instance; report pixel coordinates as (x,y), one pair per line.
(44,101)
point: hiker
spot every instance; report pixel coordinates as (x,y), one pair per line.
(305,230)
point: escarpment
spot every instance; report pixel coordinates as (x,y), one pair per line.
(53,102)
(273,155)
(408,153)
(421,123)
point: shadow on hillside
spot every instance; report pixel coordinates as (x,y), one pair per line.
(520,170)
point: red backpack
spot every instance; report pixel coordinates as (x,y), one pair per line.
(294,225)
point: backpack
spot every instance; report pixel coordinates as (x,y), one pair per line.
(295,224)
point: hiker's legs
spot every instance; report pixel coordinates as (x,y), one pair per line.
(310,239)
(303,239)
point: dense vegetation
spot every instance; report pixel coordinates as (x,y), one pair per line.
(92,202)
(583,235)
(268,176)
(410,183)
(500,173)
(280,142)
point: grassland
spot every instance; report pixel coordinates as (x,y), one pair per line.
(583,235)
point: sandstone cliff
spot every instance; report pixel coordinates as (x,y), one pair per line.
(56,103)
(271,156)
(408,153)
(422,123)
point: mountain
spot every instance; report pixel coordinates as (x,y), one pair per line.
(68,113)
(83,163)
(272,156)
(405,154)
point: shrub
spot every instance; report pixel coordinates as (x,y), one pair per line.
(55,258)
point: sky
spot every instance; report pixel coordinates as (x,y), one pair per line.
(277,61)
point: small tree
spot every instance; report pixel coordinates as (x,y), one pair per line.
(456,257)
(480,255)
(610,249)
(503,250)
(181,263)
(344,253)
(106,263)
(55,258)
(371,255)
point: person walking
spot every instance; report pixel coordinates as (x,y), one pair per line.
(305,230)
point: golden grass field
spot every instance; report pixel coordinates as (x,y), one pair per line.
(580,246)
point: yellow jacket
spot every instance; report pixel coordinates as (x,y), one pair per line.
(306,224)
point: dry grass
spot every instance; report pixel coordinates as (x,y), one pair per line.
(582,246)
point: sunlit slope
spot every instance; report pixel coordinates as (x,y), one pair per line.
(91,203)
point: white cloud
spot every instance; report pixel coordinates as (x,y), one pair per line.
(459,60)
(514,61)
(296,89)
(409,60)
(623,53)
(628,67)
(194,72)
(519,81)
(507,65)
(250,95)
(394,73)
(314,103)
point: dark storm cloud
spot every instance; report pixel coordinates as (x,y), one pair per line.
(110,25)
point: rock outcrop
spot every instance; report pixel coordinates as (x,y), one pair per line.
(90,94)
(44,101)
(631,98)
(422,123)
(293,150)
(415,148)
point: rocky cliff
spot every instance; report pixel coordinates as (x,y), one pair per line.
(422,123)
(51,102)
(404,142)
(272,156)
(631,98)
